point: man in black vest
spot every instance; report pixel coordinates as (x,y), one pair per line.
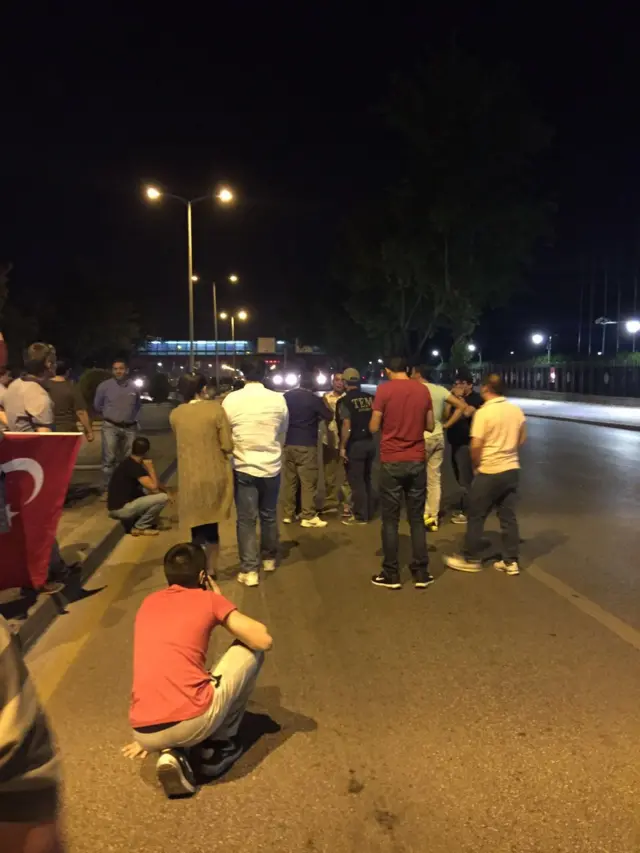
(357,446)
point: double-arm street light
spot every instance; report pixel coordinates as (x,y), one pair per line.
(225,196)
(240,315)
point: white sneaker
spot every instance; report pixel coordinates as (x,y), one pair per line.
(508,568)
(248,578)
(287,521)
(175,774)
(316,521)
(269,565)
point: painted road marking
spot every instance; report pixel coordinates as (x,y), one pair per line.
(51,657)
(608,620)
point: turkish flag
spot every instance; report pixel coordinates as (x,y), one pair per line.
(36,469)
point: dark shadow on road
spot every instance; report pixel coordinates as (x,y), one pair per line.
(265,727)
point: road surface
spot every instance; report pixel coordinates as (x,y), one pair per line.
(626,416)
(486,714)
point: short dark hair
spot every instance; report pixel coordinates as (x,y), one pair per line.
(495,383)
(397,364)
(140,446)
(119,360)
(307,380)
(183,565)
(190,385)
(37,357)
(253,369)
(423,370)
(63,366)
(464,375)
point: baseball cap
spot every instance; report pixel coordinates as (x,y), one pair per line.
(351,375)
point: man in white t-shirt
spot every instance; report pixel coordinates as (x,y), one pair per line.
(497,432)
(259,419)
(434,443)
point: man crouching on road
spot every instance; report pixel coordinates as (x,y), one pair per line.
(176,703)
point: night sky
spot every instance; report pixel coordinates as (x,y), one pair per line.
(279,101)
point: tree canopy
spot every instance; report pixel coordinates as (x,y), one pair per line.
(454,232)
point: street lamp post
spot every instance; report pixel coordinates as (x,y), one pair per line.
(233,279)
(225,196)
(472,348)
(241,315)
(538,339)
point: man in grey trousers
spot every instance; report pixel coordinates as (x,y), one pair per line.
(498,431)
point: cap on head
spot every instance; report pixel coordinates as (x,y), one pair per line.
(351,375)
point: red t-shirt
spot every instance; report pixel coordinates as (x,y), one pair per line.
(404,405)
(170,642)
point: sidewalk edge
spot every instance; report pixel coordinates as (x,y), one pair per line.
(48,607)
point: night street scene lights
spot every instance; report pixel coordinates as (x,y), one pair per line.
(537,339)
(225,196)
(632,327)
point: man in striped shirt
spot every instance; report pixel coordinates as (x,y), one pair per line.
(28,761)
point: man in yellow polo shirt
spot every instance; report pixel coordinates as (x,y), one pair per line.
(497,432)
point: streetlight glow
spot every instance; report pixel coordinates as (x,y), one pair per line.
(435,353)
(537,339)
(242,315)
(224,315)
(195,278)
(233,278)
(225,195)
(472,347)
(632,327)
(153,193)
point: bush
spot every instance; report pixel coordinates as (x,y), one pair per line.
(159,388)
(88,384)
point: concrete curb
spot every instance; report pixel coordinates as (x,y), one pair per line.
(632,427)
(48,607)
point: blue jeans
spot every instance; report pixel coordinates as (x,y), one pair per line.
(116,446)
(256,497)
(143,511)
(400,480)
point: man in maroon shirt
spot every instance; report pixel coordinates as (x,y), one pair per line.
(403,411)
(177,704)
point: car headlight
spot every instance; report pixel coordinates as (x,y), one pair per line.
(291,379)
(321,379)
(278,380)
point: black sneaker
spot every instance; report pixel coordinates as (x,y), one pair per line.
(218,756)
(175,774)
(422,579)
(388,581)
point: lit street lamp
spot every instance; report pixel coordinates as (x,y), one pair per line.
(537,339)
(435,353)
(471,347)
(632,327)
(233,278)
(225,196)
(241,315)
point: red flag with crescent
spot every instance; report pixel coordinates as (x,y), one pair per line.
(35,470)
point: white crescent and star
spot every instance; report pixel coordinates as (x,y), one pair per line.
(31,467)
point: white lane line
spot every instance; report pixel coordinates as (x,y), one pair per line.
(608,620)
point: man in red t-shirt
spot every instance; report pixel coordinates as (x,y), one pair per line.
(403,411)
(176,703)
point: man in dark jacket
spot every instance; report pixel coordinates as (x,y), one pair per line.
(300,460)
(357,446)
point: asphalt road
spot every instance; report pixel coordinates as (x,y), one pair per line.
(485,714)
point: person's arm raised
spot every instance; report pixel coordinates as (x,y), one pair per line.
(249,631)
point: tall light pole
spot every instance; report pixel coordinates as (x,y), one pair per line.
(234,280)
(471,347)
(241,315)
(224,196)
(537,339)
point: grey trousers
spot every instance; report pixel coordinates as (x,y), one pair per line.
(235,675)
(300,465)
(489,491)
